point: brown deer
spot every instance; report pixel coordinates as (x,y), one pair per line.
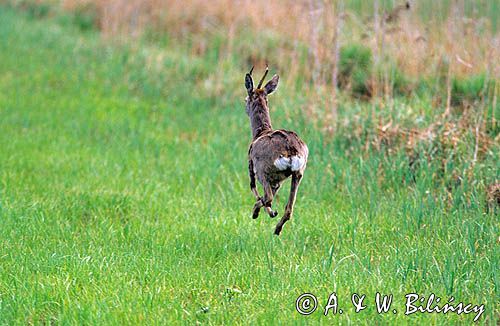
(274,155)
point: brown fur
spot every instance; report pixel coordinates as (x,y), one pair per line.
(267,146)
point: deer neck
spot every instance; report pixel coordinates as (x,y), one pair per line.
(260,120)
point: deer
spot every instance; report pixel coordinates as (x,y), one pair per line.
(273,155)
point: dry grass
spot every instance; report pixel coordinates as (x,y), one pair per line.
(465,46)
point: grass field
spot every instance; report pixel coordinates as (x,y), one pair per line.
(124,198)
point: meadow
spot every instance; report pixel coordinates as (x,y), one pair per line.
(124,194)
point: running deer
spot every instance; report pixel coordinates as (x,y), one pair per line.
(274,155)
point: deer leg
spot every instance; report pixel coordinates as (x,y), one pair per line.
(265,201)
(296,177)
(256,209)
(253,186)
(268,200)
(276,188)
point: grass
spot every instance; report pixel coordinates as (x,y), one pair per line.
(124,198)
(298,36)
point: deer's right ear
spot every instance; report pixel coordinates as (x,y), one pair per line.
(249,83)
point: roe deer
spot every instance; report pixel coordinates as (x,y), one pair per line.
(274,155)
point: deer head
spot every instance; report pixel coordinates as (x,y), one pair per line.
(259,94)
(256,102)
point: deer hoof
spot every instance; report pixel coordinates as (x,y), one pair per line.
(255,214)
(277,231)
(273,214)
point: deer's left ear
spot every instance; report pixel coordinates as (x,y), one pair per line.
(249,83)
(272,84)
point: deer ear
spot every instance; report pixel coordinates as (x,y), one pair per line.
(249,83)
(272,84)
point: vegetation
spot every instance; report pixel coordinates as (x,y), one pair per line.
(124,193)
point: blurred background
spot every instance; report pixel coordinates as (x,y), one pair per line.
(447,50)
(396,74)
(407,76)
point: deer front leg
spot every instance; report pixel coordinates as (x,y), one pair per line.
(296,177)
(253,186)
(265,201)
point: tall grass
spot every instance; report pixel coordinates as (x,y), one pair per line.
(416,39)
(430,49)
(387,52)
(124,196)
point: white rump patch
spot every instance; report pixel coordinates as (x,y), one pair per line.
(295,163)
(282,163)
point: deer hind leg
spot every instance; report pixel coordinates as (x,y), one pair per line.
(268,200)
(276,188)
(296,177)
(265,201)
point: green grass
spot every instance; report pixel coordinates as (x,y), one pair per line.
(124,198)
